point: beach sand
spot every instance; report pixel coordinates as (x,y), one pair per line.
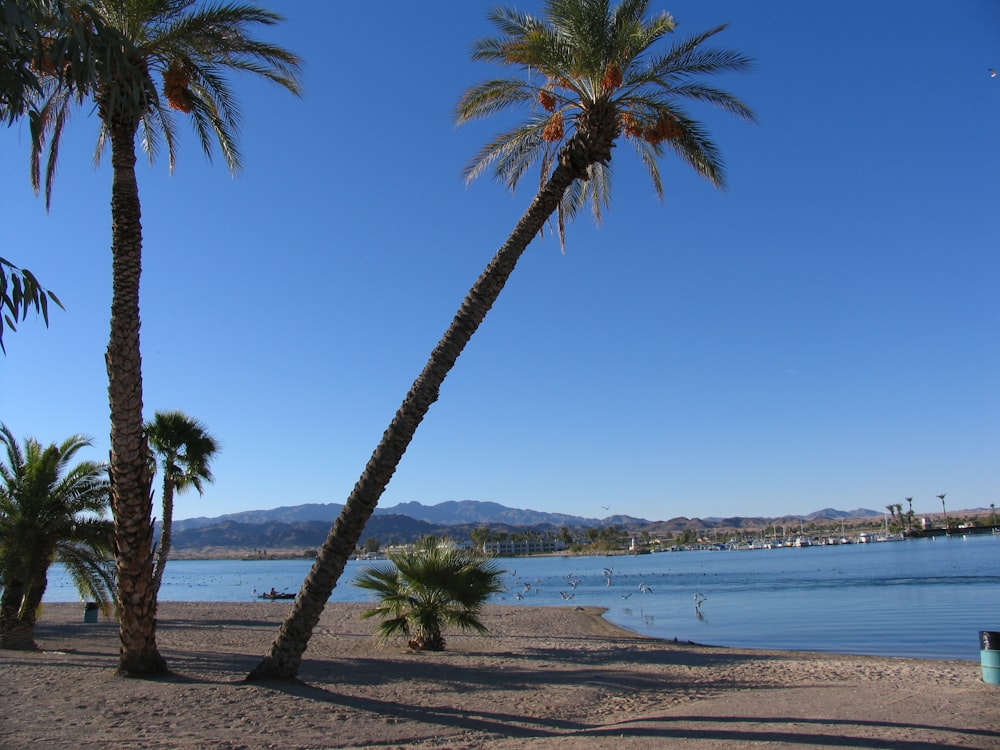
(544,677)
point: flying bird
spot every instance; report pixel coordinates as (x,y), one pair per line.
(993,73)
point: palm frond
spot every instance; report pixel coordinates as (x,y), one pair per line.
(50,506)
(512,153)
(491,97)
(593,65)
(427,587)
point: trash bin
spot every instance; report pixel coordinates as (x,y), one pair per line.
(989,655)
(90,612)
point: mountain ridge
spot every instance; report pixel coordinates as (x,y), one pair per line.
(304,527)
(462,512)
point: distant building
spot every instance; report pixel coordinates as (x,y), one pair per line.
(510,548)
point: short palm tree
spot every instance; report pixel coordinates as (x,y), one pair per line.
(589,75)
(192,46)
(184,450)
(427,588)
(49,510)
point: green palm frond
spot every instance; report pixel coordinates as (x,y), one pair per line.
(157,130)
(576,60)
(511,154)
(184,446)
(426,588)
(210,41)
(52,508)
(492,97)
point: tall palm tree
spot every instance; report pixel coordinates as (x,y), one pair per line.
(589,75)
(427,588)
(49,510)
(192,46)
(184,450)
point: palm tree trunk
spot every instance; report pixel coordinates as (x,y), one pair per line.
(131,480)
(166,526)
(283,658)
(15,633)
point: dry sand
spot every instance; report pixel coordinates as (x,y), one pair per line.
(545,677)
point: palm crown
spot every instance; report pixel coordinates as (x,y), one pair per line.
(190,49)
(589,72)
(185,448)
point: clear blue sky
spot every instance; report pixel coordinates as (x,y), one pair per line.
(824,333)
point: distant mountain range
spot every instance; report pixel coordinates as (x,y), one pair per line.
(451,513)
(306,526)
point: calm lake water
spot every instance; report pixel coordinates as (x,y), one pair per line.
(925,598)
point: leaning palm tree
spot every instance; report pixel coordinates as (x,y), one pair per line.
(589,75)
(49,510)
(184,450)
(192,46)
(427,588)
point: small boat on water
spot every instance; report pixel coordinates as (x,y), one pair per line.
(272,594)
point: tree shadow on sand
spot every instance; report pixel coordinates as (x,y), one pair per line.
(778,729)
(786,730)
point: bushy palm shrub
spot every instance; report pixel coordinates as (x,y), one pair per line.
(428,587)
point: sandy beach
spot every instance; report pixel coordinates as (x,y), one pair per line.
(545,677)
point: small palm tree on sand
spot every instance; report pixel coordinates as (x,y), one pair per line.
(50,510)
(427,588)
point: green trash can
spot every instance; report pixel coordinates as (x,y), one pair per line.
(989,656)
(90,612)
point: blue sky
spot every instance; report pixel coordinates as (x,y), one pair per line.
(824,333)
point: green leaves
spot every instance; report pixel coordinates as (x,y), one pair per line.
(128,45)
(19,293)
(425,588)
(596,69)
(53,510)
